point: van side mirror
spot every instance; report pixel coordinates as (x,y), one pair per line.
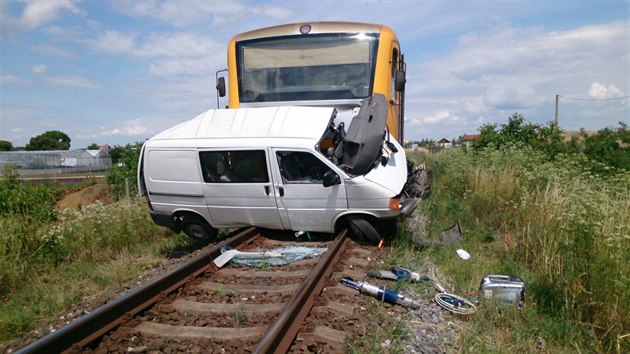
(221,86)
(331,178)
(400,80)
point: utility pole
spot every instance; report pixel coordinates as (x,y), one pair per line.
(557,108)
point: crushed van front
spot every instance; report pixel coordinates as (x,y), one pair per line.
(368,150)
(417,187)
(408,183)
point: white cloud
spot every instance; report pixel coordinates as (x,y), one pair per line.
(38,69)
(505,69)
(442,116)
(188,53)
(480,121)
(129,128)
(601,91)
(35,14)
(273,12)
(156,45)
(51,50)
(10,79)
(474,105)
(180,66)
(71,81)
(114,42)
(178,45)
(510,95)
(181,14)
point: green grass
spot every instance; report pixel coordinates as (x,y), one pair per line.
(561,228)
(384,329)
(240,316)
(47,267)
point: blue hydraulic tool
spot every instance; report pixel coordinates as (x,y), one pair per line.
(381,293)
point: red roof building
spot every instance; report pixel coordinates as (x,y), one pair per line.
(467,139)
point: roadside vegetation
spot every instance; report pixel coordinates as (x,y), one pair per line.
(555,212)
(124,167)
(51,260)
(531,202)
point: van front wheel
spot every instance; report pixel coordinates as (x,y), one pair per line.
(198,229)
(364,230)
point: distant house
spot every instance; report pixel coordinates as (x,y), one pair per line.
(444,143)
(467,139)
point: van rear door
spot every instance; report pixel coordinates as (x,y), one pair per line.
(172,181)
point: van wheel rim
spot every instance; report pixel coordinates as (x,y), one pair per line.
(198,231)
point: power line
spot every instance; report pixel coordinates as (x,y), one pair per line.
(558,97)
(593,99)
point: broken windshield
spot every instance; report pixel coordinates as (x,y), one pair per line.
(301,68)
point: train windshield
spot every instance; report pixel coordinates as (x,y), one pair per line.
(303,68)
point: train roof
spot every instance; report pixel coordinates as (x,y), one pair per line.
(315,28)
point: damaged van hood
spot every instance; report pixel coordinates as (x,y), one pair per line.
(368,149)
(393,175)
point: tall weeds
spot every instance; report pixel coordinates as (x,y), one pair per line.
(50,259)
(569,227)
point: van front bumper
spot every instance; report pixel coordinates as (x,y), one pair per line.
(164,219)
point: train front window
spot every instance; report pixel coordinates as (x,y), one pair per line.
(301,68)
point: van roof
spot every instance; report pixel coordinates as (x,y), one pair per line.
(307,123)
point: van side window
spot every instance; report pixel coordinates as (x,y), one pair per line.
(301,167)
(237,166)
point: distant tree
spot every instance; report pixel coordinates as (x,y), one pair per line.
(5,145)
(118,151)
(124,166)
(517,130)
(427,143)
(50,140)
(93,146)
(610,147)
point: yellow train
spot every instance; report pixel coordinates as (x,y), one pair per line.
(317,64)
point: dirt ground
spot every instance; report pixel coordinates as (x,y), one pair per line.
(77,200)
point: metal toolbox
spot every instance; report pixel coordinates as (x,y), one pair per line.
(506,288)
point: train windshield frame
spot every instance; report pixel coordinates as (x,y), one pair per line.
(305,68)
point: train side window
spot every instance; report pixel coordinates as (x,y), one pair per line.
(393,74)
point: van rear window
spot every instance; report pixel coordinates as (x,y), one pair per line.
(237,166)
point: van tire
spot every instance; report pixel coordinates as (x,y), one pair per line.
(364,230)
(198,229)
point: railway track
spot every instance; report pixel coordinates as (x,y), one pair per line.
(295,307)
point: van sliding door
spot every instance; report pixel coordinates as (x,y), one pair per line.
(238,188)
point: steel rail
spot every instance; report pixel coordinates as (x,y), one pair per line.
(105,318)
(283,331)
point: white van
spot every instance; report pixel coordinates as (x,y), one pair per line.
(288,168)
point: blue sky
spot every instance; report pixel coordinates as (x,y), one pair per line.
(117,72)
